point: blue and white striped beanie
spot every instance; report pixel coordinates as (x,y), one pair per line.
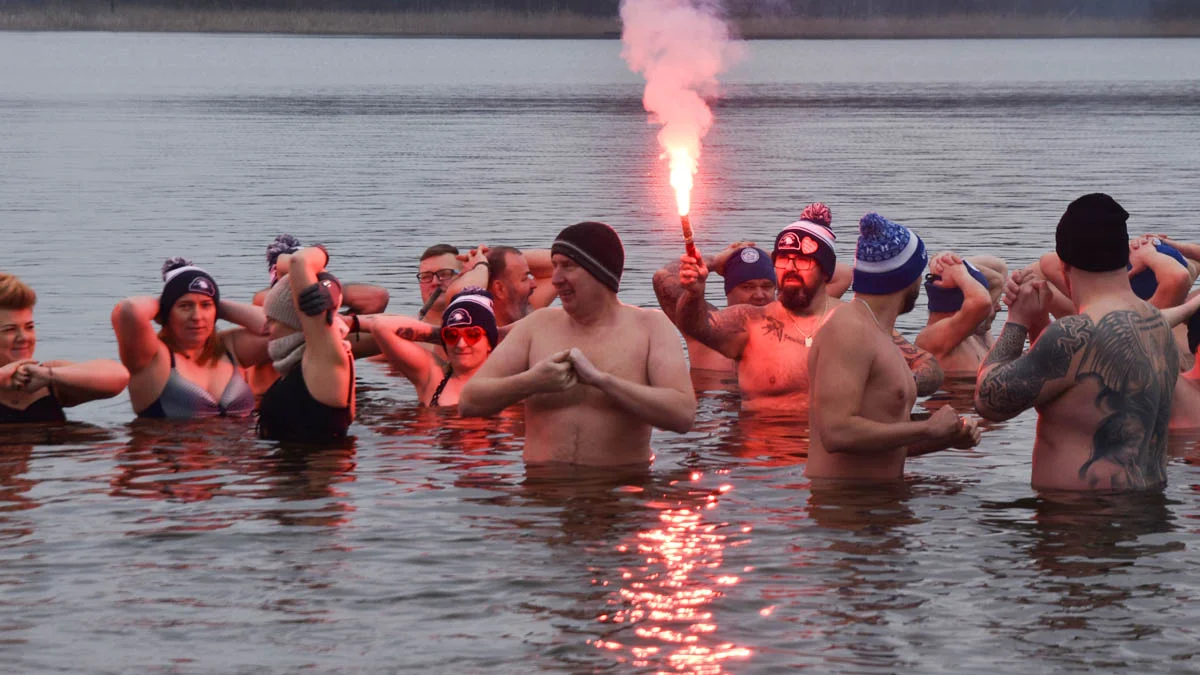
(889,256)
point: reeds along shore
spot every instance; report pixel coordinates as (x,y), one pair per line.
(487,23)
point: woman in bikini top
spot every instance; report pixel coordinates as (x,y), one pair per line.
(468,333)
(37,392)
(187,369)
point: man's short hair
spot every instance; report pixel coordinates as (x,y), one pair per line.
(438,249)
(14,294)
(498,261)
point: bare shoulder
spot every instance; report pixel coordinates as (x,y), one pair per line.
(649,318)
(843,320)
(540,319)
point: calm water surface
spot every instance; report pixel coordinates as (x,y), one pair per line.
(425,544)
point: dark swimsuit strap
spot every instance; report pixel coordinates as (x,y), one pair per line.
(433,402)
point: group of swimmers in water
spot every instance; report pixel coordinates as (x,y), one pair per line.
(1111,325)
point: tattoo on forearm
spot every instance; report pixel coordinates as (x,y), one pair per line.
(667,287)
(1012,383)
(420,335)
(1131,357)
(1008,346)
(714,328)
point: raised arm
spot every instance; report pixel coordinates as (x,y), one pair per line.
(843,274)
(1173,279)
(365,298)
(327,370)
(1180,313)
(668,401)
(542,269)
(839,376)
(137,339)
(76,383)
(476,271)
(942,336)
(925,368)
(397,337)
(667,286)
(1011,382)
(724,330)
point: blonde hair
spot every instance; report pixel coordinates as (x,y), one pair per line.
(14,294)
(213,350)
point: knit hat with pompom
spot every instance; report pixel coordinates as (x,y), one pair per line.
(889,256)
(181,277)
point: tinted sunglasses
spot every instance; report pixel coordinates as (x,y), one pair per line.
(472,334)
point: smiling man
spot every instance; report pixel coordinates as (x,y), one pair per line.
(595,375)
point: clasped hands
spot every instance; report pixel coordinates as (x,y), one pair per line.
(563,370)
(25,375)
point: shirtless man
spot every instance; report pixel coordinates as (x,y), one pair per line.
(1102,380)
(595,375)
(770,344)
(749,280)
(863,390)
(518,281)
(438,267)
(964,297)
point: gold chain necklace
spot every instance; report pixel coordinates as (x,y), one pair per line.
(873,317)
(808,341)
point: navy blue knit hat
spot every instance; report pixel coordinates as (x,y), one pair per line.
(748,264)
(182,277)
(472,307)
(889,256)
(1145,283)
(949,300)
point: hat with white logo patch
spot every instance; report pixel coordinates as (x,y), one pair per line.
(182,277)
(748,264)
(810,236)
(472,307)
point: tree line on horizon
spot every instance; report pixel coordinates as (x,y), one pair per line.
(1154,10)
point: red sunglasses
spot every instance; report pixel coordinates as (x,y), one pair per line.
(472,334)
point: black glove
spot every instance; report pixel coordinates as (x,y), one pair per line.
(325,296)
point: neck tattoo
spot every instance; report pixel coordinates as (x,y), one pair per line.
(808,341)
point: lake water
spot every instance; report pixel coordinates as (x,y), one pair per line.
(426,544)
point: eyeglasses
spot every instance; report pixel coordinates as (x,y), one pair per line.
(472,334)
(802,263)
(442,275)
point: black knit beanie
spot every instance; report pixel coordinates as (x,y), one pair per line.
(1092,235)
(472,307)
(596,248)
(181,278)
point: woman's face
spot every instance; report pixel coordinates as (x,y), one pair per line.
(465,355)
(18,336)
(193,319)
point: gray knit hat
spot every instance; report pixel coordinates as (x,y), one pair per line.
(280,306)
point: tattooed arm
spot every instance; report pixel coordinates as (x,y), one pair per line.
(1011,382)
(668,289)
(725,330)
(926,370)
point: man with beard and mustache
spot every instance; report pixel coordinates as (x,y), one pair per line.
(769,344)
(863,389)
(512,277)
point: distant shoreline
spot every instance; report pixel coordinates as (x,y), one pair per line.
(501,24)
